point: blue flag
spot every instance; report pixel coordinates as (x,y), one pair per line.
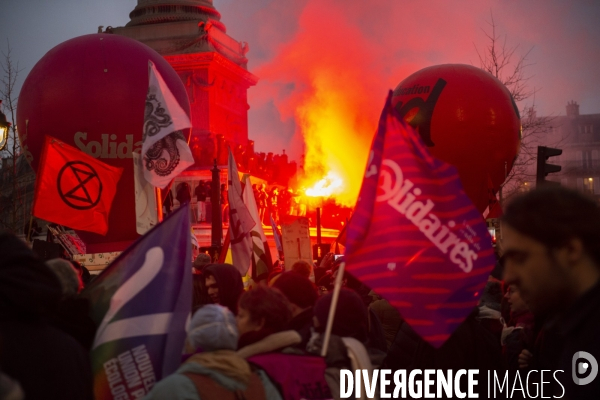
(140,304)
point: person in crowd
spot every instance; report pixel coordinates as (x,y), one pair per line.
(517,334)
(490,306)
(303,268)
(388,316)
(199,294)
(201,195)
(302,295)
(47,362)
(273,204)
(263,319)
(214,370)
(224,204)
(262,203)
(223,285)
(471,346)
(349,336)
(72,314)
(263,311)
(255,193)
(84,274)
(184,195)
(168,201)
(551,255)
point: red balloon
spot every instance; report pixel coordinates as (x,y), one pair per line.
(467,118)
(90,92)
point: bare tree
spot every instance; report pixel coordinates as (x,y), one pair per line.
(503,62)
(16,177)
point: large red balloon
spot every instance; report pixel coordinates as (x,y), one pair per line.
(468,118)
(90,92)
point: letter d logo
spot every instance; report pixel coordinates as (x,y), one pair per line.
(580,368)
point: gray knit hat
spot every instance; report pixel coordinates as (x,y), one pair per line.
(213,327)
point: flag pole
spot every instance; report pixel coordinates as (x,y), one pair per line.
(159,212)
(333,306)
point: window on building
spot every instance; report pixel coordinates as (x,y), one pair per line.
(588,185)
(586,159)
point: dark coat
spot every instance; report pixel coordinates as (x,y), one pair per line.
(579,329)
(47,362)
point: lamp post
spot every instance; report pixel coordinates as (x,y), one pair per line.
(4,125)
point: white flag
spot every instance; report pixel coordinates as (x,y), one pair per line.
(165,150)
(240,221)
(260,248)
(146,211)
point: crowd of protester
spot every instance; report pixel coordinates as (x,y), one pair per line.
(540,306)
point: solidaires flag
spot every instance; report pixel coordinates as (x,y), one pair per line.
(165,150)
(415,237)
(140,304)
(73,188)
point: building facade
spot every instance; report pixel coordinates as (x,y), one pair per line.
(579,138)
(211,64)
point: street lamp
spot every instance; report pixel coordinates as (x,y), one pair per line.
(4,125)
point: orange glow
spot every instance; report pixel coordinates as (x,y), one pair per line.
(336,139)
(329,186)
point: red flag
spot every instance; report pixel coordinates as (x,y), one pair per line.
(73,188)
(415,237)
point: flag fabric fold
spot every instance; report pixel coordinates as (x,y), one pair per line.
(141,303)
(165,150)
(261,254)
(240,220)
(415,237)
(73,188)
(277,237)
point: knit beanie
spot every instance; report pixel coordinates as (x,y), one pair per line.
(213,327)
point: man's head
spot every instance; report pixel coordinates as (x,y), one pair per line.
(224,285)
(263,309)
(550,247)
(300,291)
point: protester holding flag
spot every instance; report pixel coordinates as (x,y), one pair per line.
(214,370)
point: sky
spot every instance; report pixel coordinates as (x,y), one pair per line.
(310,54)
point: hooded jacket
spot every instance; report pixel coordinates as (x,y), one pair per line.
(213,332)
(229,282)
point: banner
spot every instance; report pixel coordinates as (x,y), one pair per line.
(146,210)
(165,150)
(261,254)
(415,238)
(74,189)
(296,242)
(140,304)
(240,220)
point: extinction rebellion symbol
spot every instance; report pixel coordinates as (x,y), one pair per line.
(79,185)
